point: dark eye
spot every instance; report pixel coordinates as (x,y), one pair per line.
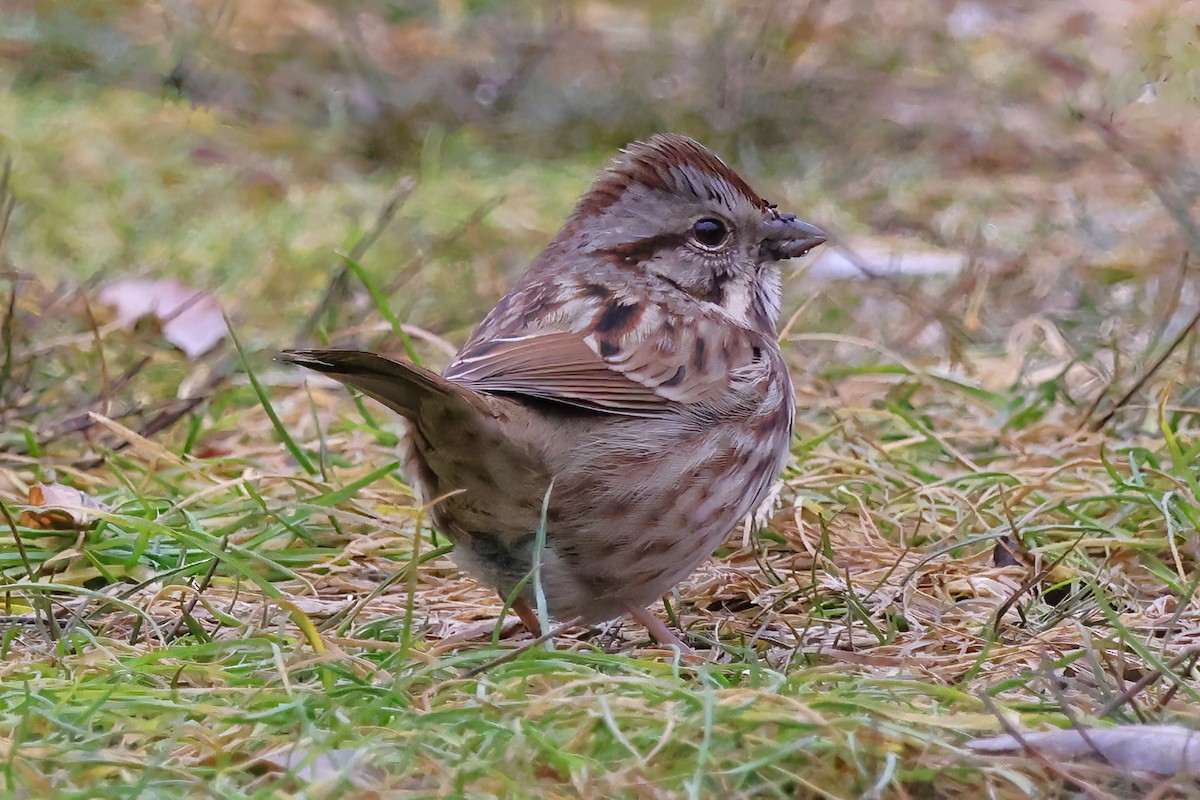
(710,232)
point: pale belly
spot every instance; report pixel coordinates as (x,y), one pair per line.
(636,506)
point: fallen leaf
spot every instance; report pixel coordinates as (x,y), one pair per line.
(1037,351)
(1160,749)
(873,260)
(64,508)
(209,450)
(190,319)
(1008,553)
(320,767)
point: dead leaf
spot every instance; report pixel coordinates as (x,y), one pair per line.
(1005,554)
(65,508)
(884,258)
(1160,749)
(1037,351)
(191,319)
(212,449)
(320,767)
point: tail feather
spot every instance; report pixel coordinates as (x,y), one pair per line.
(400,386)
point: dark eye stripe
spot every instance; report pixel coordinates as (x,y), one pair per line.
(645,249)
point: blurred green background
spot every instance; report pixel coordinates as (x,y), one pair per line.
(1013,149)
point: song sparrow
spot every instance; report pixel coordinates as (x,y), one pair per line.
(630,383)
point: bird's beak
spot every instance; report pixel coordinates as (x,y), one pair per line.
(788,237)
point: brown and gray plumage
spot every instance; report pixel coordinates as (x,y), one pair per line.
(635,365)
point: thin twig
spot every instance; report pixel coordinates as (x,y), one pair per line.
(105,396)
(504,659)
(335,290)
(1149,373)
(1032,581)
(1146,681)
(40,603)
(1064,705)
(1173,300)
(7,204)
(195,598)
(1174,688)
(6,334)
(7,201)
(917,302)
(1177,207)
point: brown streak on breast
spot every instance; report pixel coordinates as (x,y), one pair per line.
(597,290)
(773,422)
(715,295)
(618,319)
(656,547)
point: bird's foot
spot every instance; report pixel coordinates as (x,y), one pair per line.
(528,616)
(661,633)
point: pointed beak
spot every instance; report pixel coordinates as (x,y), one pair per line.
(788,237)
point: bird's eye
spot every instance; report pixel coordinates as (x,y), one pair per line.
(710,232)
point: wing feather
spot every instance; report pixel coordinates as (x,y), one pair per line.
(553,366)
(645,369)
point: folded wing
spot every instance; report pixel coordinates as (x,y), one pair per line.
(645,369)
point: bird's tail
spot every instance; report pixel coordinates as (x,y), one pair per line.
(400,386)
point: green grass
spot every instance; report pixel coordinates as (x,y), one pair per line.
(257,608)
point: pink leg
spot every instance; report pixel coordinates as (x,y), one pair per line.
(528,617)
(659,630)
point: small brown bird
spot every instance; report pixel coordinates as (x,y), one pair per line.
(630,387)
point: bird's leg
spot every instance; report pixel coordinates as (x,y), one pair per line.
(658,629)
(528,616)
